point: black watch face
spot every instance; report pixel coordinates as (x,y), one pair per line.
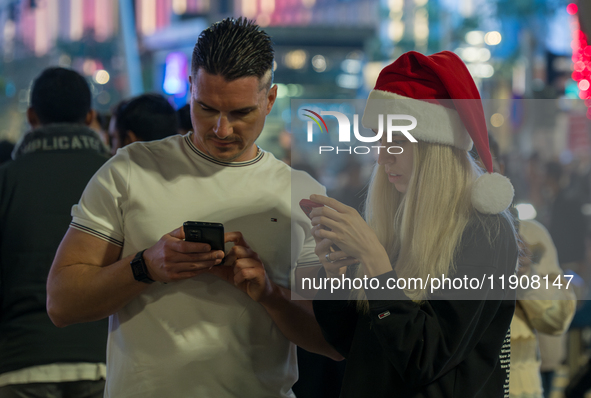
(137,268)
(139,271)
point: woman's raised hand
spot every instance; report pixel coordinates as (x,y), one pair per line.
(334,262)
(337,223)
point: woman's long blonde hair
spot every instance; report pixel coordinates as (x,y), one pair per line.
(421,230)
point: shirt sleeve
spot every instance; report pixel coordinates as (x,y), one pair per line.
(303,191)
(101,207)
(307,263)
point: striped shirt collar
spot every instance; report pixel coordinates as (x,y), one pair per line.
(259,156)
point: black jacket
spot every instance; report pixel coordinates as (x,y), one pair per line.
(37,190)
(440,348)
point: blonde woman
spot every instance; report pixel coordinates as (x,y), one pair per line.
(429,214)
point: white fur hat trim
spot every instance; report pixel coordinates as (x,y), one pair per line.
(435,123)
(492,193)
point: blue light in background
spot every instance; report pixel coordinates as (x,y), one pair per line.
(175,74)
(559,34)
(10,90)
(571,90)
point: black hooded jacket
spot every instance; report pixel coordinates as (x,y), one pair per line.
(51,168)
(455,346)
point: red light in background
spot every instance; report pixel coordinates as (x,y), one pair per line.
(572,8)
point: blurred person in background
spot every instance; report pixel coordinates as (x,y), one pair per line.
(566,224)
(184,116)
(542,316)
(52,165)
(534,172)
(113,134)
(567,227)
(538,312)
(6,148)
(147,117)
(100,124)
(580,383)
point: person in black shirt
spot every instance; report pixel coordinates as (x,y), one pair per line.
(51,167)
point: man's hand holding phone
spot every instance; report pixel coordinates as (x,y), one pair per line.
(172,258)
(243,268)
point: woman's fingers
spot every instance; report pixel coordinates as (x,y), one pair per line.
(326,212)
(324,252)
(322,233)
(338,255)
(327,222)
(339,258)
(330,202)
(323,247)
(337,267)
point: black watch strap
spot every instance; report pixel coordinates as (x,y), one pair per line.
(139,269)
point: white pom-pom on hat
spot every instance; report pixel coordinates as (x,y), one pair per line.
(492,193)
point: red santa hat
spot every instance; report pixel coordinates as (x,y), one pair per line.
(439,92)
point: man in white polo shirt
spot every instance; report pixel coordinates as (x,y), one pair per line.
(177,327)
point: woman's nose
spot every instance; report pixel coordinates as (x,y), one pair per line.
(384,157)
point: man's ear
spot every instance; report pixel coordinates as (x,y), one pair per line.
(32,118)
(90,117)
(271,97)
(130,137)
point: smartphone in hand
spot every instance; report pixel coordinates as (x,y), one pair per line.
(307,206)
(211,233)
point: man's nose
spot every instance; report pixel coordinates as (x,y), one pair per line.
(223,128)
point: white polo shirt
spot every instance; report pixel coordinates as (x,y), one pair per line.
(200,337)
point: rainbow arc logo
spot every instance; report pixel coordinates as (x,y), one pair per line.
(316,121)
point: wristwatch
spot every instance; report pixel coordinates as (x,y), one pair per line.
(139,269)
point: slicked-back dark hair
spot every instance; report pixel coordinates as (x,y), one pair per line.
(149,116)
(60,95)
(234,48)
